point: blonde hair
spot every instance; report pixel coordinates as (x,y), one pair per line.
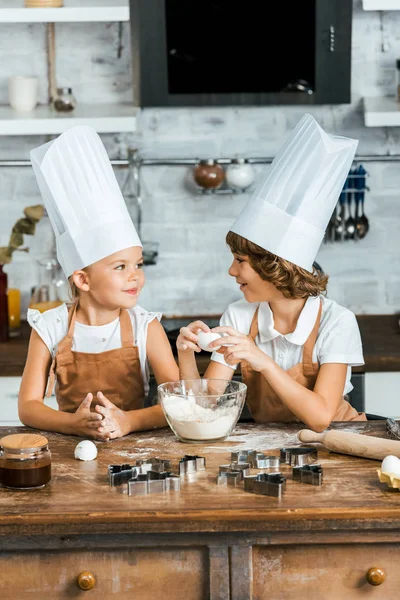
(289,279)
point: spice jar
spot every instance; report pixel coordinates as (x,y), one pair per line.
(25,461)
(208,174)
(239,174)
(65,101)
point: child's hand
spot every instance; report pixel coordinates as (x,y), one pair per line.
(241,347)
(115,421)
(187,338)
(87,423)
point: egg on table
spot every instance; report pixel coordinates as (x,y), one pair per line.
(85,450)
(391,464)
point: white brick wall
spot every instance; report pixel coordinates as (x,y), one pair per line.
(191,275)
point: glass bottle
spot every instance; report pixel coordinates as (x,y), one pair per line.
(130,191)
(14,312)
(3,305)
(65,101)
(52,289)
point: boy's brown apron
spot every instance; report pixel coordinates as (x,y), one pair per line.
(266,406)
(116,373)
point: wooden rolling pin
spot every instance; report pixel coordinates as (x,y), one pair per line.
(352,443)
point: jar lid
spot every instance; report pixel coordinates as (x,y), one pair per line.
(64,90)
(22,442)
(208,161)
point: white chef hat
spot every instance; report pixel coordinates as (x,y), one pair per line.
(83,199)
(289,211)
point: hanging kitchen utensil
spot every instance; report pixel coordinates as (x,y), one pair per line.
(350,222)
(362,223)
(341,216)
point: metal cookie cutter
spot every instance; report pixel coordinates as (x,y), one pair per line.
(311,474)
(257,460)
(153,482)
(229,478)
(160,465)
(298,456)
(119,474)
(191,464)
(242,468)
(267,484)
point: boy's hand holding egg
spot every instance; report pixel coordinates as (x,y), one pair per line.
(237,347)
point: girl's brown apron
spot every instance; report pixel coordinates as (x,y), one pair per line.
(266,406)
(116,373)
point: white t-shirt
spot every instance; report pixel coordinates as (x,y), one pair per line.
(338,340)
(52,326)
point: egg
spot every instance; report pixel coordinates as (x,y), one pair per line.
(85,450)
(391,464)
(204,339)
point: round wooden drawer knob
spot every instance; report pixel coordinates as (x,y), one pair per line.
(376,576)
(86,580)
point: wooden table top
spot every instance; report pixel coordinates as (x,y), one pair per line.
(79,498)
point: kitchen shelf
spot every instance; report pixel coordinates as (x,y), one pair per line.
(14,11)
(381,4)
(382,112)
(104,118)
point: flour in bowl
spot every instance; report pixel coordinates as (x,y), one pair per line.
(194,422)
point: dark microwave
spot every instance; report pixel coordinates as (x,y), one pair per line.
(240,52)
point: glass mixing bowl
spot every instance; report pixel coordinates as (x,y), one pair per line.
(202,410)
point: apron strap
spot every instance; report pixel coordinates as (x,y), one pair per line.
(126,329)
(308,366)
(66,343)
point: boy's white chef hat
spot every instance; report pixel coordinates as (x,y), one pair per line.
(289,211)
(83,199)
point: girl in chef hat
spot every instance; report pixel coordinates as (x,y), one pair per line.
(295,347)
(97,351)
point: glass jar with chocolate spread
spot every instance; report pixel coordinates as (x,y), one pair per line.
(25,461)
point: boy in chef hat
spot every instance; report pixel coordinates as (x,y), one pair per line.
(98,350)
(295,347)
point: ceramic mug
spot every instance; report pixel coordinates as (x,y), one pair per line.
(23,93)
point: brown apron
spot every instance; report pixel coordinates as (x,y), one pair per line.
(116,373)
(266,406)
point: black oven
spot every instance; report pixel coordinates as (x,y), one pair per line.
(235,53)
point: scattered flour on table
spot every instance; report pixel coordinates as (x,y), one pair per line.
(192,421)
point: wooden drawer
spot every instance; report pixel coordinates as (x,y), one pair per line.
(328,572)
(142,574)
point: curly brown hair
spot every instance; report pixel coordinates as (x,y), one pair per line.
(289,279)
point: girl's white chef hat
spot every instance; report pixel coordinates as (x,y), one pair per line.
(83,199)
(289,211)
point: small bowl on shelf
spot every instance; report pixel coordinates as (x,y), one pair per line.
(202,410)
